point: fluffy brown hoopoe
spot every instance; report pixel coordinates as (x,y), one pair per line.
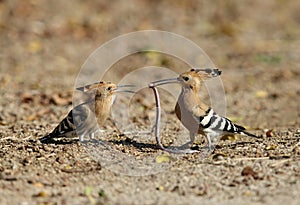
(85,118)
(194,114)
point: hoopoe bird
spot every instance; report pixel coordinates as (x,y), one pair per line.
(84,119)
(194,114)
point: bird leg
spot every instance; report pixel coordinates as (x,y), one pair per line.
(81,138)
(208,142)
(92,136)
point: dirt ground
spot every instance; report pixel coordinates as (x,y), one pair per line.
(43,46)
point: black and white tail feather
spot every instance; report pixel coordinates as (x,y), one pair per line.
(78,122)
(214,125)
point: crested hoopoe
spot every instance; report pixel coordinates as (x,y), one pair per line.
(194,114)
(85,118)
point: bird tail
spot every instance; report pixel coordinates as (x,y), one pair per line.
(62,129)
(241,130)
(248,134)
(46,138)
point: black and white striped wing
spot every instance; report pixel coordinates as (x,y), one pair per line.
(76,118)
(213,121)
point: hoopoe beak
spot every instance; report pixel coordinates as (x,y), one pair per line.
(126,86)
(118,90)
(164,81)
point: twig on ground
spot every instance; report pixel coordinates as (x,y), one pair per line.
(280,162)
(15,138)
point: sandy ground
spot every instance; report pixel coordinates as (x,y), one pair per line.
(44,44)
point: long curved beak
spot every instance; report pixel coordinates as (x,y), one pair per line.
(162,82)
(126,86)
(124,91)
(117,90)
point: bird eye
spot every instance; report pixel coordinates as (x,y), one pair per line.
(185,78)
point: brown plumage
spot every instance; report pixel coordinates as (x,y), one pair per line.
(194,114)
(84,119)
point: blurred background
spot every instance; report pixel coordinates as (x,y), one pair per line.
(255,43)
(43,46)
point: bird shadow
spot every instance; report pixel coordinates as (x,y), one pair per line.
(60,142)
(138,145)
(125,142)
(141,146)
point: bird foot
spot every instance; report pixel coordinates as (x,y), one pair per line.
(187,145)
(208,148)
(181,151)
